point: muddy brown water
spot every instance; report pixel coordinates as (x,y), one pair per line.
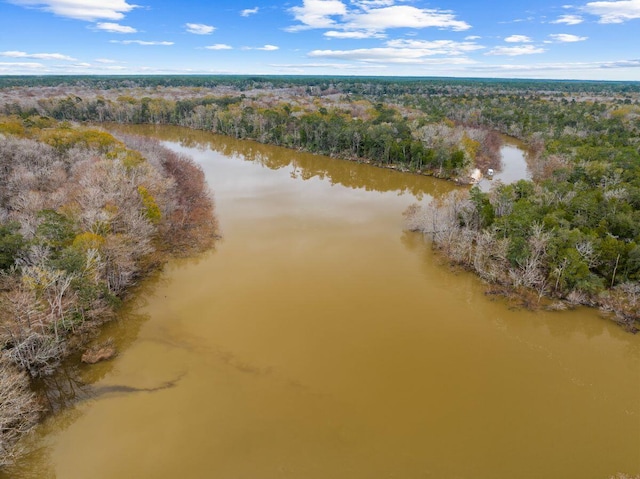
(321,341)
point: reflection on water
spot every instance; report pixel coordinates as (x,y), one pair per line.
(513,165)
(300,164)
(319,340)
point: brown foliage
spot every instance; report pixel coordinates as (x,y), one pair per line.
(97,217)
(19,410)
(191,225)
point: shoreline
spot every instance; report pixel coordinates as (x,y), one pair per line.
(73,271)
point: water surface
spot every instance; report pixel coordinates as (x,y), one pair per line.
(513,164)
(321,341)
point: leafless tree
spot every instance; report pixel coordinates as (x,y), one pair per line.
(19,410)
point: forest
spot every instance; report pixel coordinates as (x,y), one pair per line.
(572,233)
(583,140)
(83,216)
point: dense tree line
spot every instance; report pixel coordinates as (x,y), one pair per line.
(83,216)
(575,237)
(353,84)
(361,130)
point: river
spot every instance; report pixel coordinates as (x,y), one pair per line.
(319,340)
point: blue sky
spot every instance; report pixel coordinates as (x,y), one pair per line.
(596,40)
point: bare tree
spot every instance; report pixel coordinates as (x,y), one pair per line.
(19,410)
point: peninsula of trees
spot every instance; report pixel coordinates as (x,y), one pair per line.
(83,216)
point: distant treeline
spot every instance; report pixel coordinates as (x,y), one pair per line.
(347,84)
(83,216)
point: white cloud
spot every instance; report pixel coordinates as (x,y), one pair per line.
(436,47)
(265,48)
(403,16)
(89,10)
(519,20)
(8,66)
(566,38)
(338,66)
(407,51)
(249,11)
(518,39)
(353,35)
(614,12)
(472,37)
(367,4)
(388,55)
(115,28)
(569,19)
(199,28)
(371,16)
(516,51)
(219,46)
(140,42)
(563,67)
(317,14)
(37,56)
(105,60)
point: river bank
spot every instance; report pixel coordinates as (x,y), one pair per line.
(83,217)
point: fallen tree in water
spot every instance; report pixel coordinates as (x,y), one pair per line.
(83,216)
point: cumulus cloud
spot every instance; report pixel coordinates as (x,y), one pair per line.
(404,16)
(614,12)
(89,10)
(37,56)
(219,46)
(516,51)
(140,42)
(566,38)
(105,60)
(115,28)
(317,14)
(249,11)
(569,19)
(371,16)
(518,39)
(407,51)
(199,28)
